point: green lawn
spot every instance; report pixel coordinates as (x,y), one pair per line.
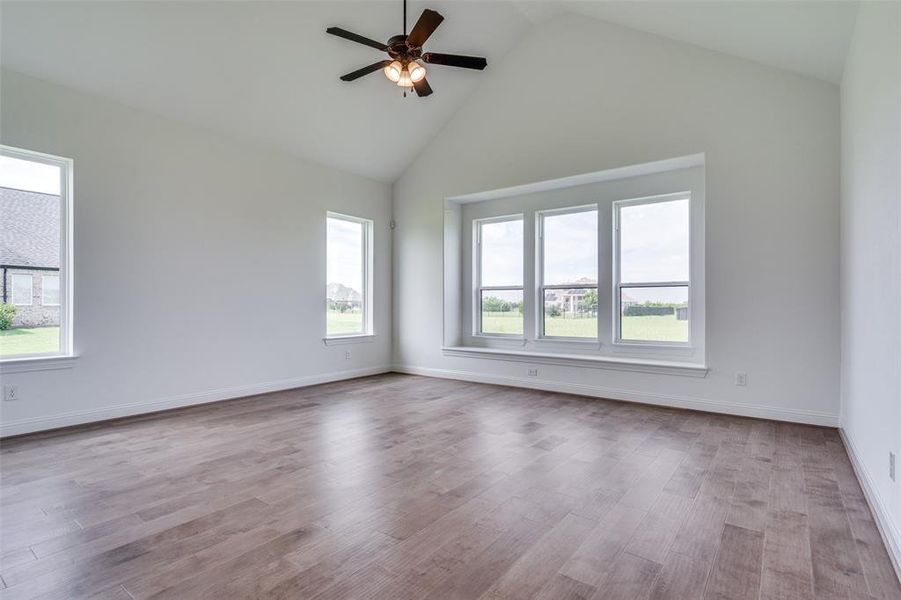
(338,323)
(663,328)
(37,340)
(658,328)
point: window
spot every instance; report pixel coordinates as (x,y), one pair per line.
(603,269)
(35,250)
(22,289)
(568,285)
(349,276)
(499,276)
(652,286)
(50,290)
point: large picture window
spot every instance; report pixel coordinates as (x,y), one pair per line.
(35,255)
(499,275)
(568,277)
(349,276)
(653,258)
(603,268)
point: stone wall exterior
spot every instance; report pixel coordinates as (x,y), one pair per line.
(37,314)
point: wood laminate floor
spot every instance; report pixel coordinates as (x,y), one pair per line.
(404,487)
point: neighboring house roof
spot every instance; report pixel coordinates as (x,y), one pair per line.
(29,229)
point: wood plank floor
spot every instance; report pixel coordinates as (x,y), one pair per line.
(408,487)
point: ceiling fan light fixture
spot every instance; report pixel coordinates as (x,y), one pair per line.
(393,71)
(405,81)
(417,71)
(404,66)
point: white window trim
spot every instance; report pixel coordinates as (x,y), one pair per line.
(618,284)
(663,367)
(684,175)
(540,286)
(62,358)
(368,329)
(44,290)
(477,286)
(12,281)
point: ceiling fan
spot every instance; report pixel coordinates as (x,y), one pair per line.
(405,66)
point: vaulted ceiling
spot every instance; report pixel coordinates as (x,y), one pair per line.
(268,72)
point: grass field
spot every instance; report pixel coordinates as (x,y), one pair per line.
(665,328)
(37,340)
(338,323)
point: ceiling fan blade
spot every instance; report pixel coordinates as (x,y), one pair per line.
(366,70)
(455,60)
(422,88)
(428,22)
(348,35)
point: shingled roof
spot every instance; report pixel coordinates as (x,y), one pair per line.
(29,229)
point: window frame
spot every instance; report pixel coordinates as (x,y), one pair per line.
(661,178)
(617,284)
(367,292)
(12,281)
(66,270)
(44,290)
(477,286)
(540,286)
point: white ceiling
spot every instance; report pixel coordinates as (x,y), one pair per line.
(809,37)
(267,71)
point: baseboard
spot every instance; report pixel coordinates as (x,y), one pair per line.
(744,410)
(82,417)
(888,529)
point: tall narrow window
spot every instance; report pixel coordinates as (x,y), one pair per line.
(500,275)
(569,272)
(349,276)
(23,289)
(50,290)
(652,287)
(35,254)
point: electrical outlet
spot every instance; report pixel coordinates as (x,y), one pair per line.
(347,355)
(533,372)
(741,379)
(891,465)
(10,393)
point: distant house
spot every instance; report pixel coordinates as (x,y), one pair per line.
(569,302)
(343,298)
(29,256)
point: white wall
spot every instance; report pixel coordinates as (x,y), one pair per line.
(871,256)
(619,97)
(199,262)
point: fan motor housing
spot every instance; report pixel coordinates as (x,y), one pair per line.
(399,50)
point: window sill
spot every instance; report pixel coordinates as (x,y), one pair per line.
(37,363)
(487,341)
(348,339)
(580,360)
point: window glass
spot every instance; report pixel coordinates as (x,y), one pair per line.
(50,292)
(345,292)
(570,274)
(658,314)
(654,242)
(502,312)
(571,248)
(22,289)
(32,207)
(501,253)
(571,312)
